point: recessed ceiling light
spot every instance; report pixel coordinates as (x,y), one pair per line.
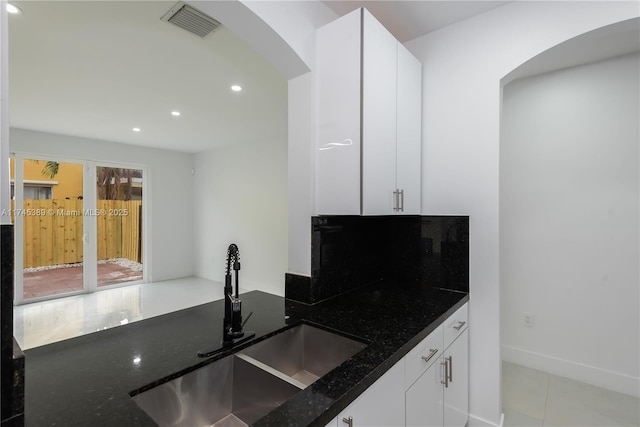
(15,10)
(175,113)
(136,129)
(236,88)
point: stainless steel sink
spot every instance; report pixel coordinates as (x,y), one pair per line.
(241,388)
(228,392)
(304,353)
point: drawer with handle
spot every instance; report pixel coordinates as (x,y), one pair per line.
(455,325)
(422,356)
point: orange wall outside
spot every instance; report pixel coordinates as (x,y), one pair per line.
(69,177)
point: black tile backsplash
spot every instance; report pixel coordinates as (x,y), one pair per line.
(445,252)
(348,252)
(297,287)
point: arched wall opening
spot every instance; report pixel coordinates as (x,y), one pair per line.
(463,66)
(569,186)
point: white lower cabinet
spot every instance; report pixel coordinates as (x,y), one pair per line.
(456,393)
(381,405)
(429,387)
(424,399)
(440,394)
(333,423)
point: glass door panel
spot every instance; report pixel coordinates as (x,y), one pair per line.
(119,225)
(48,196)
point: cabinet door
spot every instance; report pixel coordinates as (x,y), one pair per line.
(456,395)
(424,398)
(333,423)
(409,131)
(379,75)
(337,89)
(381,405)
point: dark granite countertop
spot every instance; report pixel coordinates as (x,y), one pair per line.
(88,380)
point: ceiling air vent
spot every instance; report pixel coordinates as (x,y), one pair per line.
(191,19)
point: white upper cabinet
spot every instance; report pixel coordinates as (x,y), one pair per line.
(368,116)
(409,130)
(379,95)
(337,80)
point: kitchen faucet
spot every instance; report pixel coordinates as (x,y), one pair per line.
(232,323)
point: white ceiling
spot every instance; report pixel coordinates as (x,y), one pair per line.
(407,20)
(97,69)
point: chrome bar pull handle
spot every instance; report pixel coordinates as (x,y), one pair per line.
(349,421)
(446,377)
(450,376)
(401,208)
(432,353)
(459,325)
(395,201)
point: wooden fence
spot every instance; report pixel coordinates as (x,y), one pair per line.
(53,230)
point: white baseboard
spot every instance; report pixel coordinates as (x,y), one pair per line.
(481,422)
(573,370)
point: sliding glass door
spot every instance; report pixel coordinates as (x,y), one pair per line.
(47,198)
(79,226)
(120,225)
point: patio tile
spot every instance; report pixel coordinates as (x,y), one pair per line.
(69,279)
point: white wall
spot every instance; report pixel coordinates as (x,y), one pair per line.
(301,178)
(569,232)
(169,182)
(5,188)
(462,68)
(295,21)
(240,196)
(281,31)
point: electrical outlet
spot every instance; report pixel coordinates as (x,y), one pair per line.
(529,320)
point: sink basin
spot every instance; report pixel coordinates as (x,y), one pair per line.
(229,392)
(304,353)
(242,388)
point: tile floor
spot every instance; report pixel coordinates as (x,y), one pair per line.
(535,398)
(45,322)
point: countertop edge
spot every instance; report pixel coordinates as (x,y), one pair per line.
(382,369)
(332,411)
